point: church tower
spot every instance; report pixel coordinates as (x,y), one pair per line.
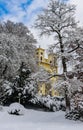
(50,65)
(40,52)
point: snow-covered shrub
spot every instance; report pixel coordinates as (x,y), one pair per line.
(12,92)
(54,103)
(72,115)
(61,101)
(75,115)
(77,101)
(76,112)
(16,109)
(49,103)
(80,105)
(35,100)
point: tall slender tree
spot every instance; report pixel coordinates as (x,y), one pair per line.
(58,20)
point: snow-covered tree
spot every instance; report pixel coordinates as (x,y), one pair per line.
(58,20)
(17,45)
(78,70)
(41,75)
(17,48)
(21,89)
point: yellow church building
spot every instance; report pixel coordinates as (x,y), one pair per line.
(50,65)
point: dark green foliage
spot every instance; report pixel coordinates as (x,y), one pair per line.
(21,89)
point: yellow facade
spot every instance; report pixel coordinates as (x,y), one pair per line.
(50,65)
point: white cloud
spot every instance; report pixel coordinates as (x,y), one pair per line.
(19,14)
(36,4)
(79,10)
(16,13)
(42,41)
(34,9)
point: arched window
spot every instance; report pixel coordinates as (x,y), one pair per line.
(41,58)
(50,62)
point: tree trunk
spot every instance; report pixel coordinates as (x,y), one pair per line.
(67,100)
(64,72)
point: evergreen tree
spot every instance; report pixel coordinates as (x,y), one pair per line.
(21,89)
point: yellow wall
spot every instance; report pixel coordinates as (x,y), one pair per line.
(49,65)
(42,89)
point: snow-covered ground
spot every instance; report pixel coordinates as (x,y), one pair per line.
(37,120)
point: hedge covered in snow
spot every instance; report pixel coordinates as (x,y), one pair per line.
(49,103)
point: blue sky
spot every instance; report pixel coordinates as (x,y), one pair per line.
(26,11)
(21,10)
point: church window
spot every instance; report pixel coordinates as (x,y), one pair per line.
(50,62)
(41,58)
